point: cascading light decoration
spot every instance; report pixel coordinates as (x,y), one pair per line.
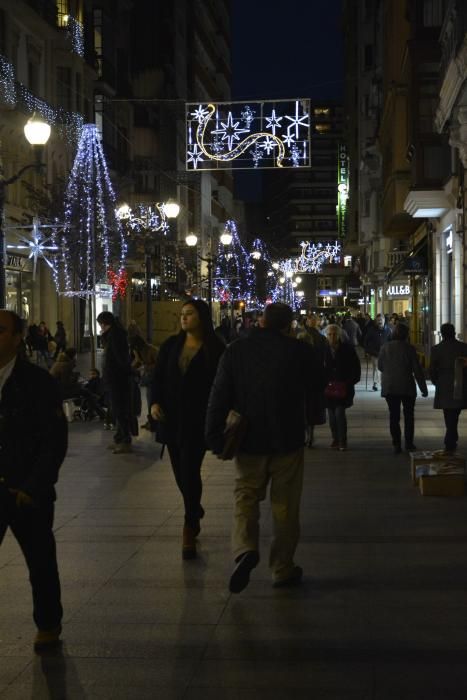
(269,134)
(314,255)
(265,276)
(93,239)
(233,275)
(13,93)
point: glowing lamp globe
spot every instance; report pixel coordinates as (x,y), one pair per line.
(123,211)
(282,280)
(226,238)
(191,240)
(256,255)
(171,209)
(36,131)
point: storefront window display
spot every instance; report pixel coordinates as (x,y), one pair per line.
(18,278)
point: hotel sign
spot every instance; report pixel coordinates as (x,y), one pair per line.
(342,190)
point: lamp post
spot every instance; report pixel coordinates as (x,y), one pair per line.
(192,240)
(37,132)
(145,220)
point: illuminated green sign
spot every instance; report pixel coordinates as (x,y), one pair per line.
(342,190)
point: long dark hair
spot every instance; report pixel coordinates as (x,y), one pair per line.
(212,345)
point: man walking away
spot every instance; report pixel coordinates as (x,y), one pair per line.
(267,377)
(116,378)
(442,371)
(33,444)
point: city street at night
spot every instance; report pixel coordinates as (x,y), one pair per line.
(381,614)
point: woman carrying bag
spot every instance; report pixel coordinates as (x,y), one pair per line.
(343,368)
(183,375)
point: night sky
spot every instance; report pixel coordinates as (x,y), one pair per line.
(287,48)
(284,49)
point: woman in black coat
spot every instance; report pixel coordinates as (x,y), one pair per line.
(184,372)
(343,368)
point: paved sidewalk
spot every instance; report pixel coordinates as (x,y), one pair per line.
(382,613)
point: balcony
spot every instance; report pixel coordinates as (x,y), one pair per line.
(454,57)
(395,257)
(427,204)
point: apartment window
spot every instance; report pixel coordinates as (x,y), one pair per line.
(322,128)
(2,32)
(368,56)
(433,13)
(99,113)
(63,10)
(33,77)
(318,111)
(98,43)
(64,87)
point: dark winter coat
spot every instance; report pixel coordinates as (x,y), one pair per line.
(343,365)
(398,364)
(33,432)
(443,357)
(316,407)
(184,397)
(375,337)
(267,377)
(116,362)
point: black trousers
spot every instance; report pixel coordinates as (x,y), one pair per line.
(32,528)
(120,408)
(451,419)
(394,402)
(186,464)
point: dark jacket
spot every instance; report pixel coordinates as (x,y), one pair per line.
(343,365)
(64,372)
(184,397)
(442,361)
(116,365)
(375,337)
(398,364)
(267,377)
(33,431)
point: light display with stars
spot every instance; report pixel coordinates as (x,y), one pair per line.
(268,134)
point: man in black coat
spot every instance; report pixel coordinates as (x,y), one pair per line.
(116,377)
(267,377)
(33,444)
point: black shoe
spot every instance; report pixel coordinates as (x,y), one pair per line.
(241,574)
(397,449)
(375,388)
(410,447)
(293,580)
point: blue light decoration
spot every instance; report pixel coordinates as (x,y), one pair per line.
(233,274)
(314,255)
(268,134)
(75,32)
(266,289)
(14,94)
(92,240)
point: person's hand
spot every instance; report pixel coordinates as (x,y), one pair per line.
(424,394)
(157,412)
(22,498)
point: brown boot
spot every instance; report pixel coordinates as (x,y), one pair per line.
(189,543)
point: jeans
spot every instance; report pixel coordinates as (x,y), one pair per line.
(451,418)
(186,465)
(338,424)
(32,528)
(394,404)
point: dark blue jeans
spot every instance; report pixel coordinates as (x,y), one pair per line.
(32,528)
(394,402)
(338,424)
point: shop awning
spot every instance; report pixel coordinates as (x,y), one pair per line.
(414,263)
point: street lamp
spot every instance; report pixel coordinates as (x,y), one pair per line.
(145,220)
(37,132)
(192,240)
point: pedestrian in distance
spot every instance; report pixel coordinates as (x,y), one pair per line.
(33,444)
(267,378)
(376,334)
(316,413)
(60,339)
(400,369)
(343,372)
(444,357)
(183,375)
(116,375)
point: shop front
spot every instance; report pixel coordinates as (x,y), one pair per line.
(19,285)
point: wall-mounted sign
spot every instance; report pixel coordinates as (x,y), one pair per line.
(398,290)
(342,189)
(415,265)
(330,292)
(18,262)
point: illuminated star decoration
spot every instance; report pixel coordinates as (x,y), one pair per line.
(297,121)
(288,139)
(268,144)
(230,131)
(38,245)
(273,122)
(194,155)
(200,114)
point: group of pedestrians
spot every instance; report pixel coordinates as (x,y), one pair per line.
(272,382)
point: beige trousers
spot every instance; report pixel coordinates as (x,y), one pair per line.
(253,473)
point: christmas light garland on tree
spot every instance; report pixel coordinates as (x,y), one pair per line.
(233,278)
(93,240)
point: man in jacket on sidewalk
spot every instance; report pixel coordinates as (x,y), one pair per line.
(267,377)
(33,444)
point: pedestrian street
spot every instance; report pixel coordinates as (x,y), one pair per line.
(381,613)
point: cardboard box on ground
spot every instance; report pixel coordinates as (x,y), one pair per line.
(438,473)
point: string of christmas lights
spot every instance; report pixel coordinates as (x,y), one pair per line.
(233,276)
(92,240)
